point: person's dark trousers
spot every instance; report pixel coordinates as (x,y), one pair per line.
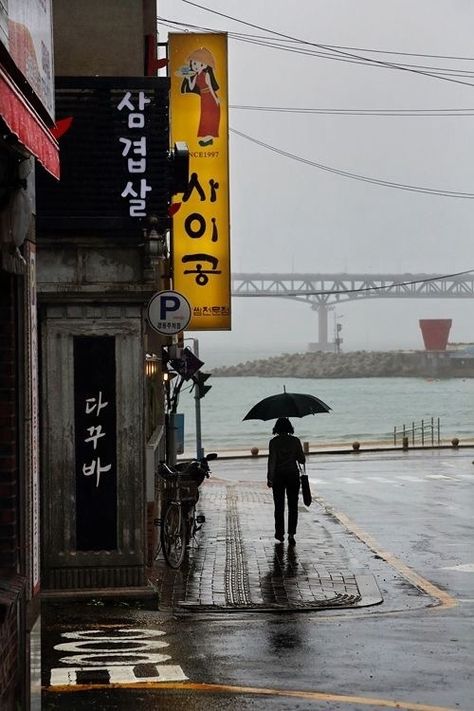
(289,488)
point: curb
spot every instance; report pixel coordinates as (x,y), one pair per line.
(362,450)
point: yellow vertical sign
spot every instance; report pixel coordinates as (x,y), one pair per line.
(201,233)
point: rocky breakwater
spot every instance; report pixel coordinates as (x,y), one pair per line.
(358,364)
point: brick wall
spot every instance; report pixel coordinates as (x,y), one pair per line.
(12,591)
(8,664)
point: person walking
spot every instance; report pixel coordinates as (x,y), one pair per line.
(283,477)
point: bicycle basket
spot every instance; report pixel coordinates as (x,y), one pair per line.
(191,473)
(189,489)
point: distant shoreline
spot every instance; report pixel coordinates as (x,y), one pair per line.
(357,364)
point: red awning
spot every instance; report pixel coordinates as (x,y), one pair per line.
(24,122)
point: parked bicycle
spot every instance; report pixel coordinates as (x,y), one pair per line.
(179,522)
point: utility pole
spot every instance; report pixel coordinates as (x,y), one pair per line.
(188,366)
(197,406)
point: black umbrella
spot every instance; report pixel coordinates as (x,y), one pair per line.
(286,405)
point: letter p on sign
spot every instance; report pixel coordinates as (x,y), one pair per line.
(168,304)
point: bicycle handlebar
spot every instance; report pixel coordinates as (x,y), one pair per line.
(195,466)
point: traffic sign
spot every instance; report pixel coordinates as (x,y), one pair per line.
(168,312)
(187,365)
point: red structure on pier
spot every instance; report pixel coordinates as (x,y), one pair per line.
(435,332)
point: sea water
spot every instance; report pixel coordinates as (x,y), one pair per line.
(363,409)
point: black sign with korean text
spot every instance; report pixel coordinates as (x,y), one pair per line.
(115,164)
(95,443)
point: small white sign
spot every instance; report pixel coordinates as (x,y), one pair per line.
(168,312)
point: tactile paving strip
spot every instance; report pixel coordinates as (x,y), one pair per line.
(237,590)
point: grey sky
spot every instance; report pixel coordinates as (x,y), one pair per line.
(286,216)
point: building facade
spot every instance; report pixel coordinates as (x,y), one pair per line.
(98,266)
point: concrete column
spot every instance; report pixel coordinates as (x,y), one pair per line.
(322,343)
(323,326)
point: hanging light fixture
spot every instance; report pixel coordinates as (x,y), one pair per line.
(151,365)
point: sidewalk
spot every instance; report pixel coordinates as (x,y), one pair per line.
(235,564)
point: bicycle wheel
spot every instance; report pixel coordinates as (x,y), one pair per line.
(173,535)
(190,524)
(156,539)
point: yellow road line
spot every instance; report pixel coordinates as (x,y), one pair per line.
(445,600)
(315,696)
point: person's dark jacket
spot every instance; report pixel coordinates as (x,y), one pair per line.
(284,452)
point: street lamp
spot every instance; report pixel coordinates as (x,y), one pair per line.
(151,365)
(337,338)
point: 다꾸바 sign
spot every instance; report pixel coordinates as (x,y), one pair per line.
(168,312)
(201,234)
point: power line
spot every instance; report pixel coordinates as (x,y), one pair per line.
(236,35)
(265,42)
(348,55)
(332,111)
(389,286)
(436,72)
(327,292)
(357,112)
(356,176)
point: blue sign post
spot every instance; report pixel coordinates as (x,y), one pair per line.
(177,424)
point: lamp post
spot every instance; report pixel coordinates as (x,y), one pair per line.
(337,331)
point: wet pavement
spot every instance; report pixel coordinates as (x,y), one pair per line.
(234,563)
(371,610)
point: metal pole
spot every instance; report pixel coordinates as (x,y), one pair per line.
(422,433)
(197,407)
(170,434)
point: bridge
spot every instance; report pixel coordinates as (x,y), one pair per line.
(323,290)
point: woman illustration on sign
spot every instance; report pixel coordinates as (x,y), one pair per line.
(199,79)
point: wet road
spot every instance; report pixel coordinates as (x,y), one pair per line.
(408,516)
(418,505)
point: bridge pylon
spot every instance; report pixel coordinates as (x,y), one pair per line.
(323,343)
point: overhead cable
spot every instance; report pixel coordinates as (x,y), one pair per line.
(349,55)
(262,41)
(328,292)
(356,112)
(237,35)
(356,176)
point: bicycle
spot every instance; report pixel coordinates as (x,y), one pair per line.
(179,522)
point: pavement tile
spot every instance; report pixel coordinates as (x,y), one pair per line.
(235,563)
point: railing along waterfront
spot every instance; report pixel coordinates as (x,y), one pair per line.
(425,432)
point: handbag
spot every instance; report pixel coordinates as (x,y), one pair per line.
(305,490)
